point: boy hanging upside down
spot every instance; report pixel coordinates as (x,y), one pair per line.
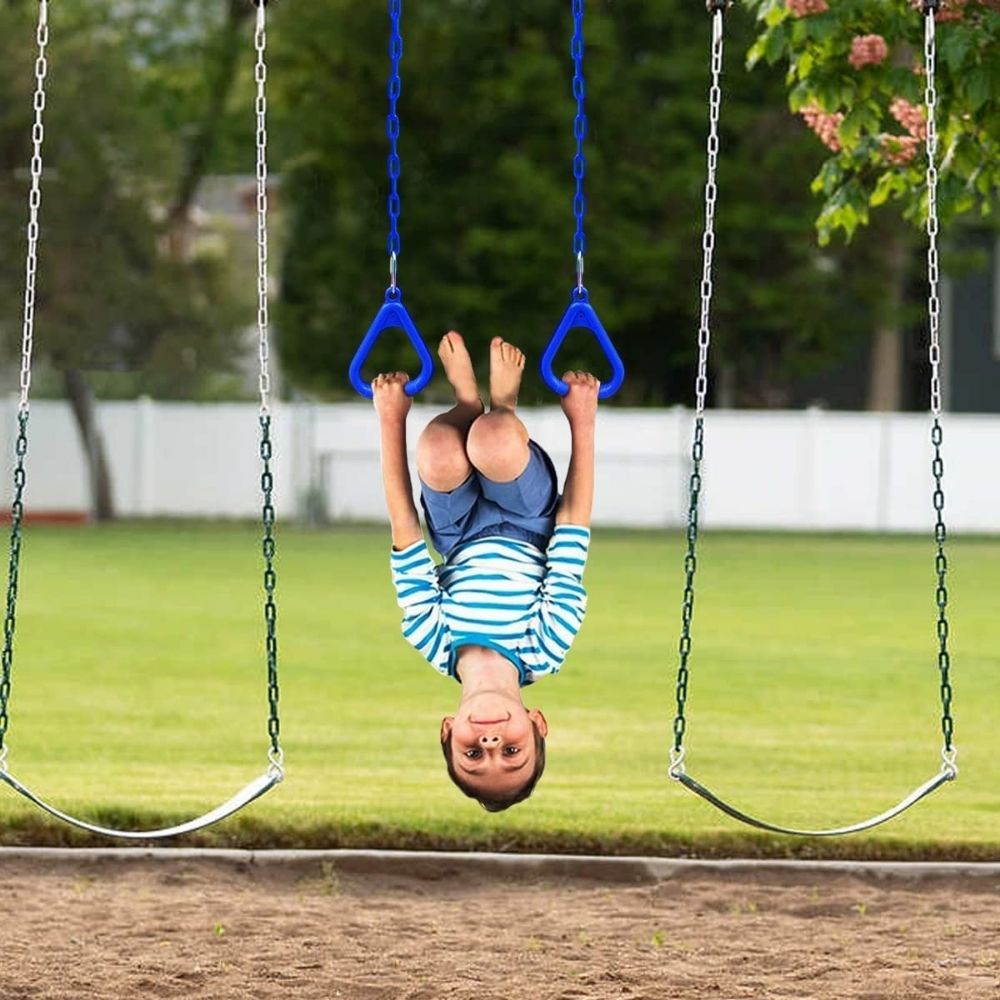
(507,601)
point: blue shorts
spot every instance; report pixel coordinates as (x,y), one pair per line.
(524,508)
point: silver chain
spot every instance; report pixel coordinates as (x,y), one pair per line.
(260,75)
(933,302)
(34,204)
(701,391)
(708,237)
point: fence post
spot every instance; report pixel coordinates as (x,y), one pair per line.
(882,505)
(812,418)
(145,414)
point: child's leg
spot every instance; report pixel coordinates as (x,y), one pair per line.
(497,443)
(442,462)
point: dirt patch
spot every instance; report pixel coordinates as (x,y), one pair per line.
(111,929)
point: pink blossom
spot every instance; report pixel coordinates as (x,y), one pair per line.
(825,124)
(867,50)
(803,8)
(900,149)
(910,116)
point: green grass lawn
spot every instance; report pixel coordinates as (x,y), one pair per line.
(138,695)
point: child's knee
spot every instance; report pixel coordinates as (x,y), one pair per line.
(498,445)
(441,458)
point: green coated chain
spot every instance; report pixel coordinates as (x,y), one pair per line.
(930,8)
(690,566)
(270,580)
(10,613)
(941,566)
(716,8)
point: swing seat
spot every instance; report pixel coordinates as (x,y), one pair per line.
(254,790)
(947,773)
(275,772)
(949,770)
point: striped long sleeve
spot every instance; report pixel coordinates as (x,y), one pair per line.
(419,595)
(497,592)
(562,602)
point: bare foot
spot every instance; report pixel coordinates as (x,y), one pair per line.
(458,368)
(506,369)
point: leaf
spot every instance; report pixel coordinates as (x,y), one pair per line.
(829,177)
(755,53)
(977,88)
(774,45)
(800,96)
(857,120)
(889,185)
(953,48)
(774,14)
(909,86)
(823,27)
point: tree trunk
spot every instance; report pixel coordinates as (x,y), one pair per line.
(82,401)
(885,382)
(224,60)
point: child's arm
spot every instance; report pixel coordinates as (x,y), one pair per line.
(580,407)
(562,602)
(392,406)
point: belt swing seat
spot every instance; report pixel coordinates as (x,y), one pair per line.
(948,770)
(274,772)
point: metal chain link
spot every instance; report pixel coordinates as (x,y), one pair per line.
(34,201)
(275,754)
(577,50)
(27,347)
(392,128)
(260,108)
(10,611)
(701,388)
(937,434)
(270,580)
(701,392)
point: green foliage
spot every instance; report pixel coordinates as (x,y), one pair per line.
(487,193)
(878,159)
(110,298)
(139,694)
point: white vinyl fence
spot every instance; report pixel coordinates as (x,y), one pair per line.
(804,470)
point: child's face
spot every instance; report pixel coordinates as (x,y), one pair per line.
(493,742)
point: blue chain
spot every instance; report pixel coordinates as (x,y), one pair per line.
(392,131)
(580,133)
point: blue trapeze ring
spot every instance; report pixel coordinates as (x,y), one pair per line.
(393,314)
(581,315)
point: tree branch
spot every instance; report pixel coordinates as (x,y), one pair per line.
(224,56)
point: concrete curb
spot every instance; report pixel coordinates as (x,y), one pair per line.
(442,864)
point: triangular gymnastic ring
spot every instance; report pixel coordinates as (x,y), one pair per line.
(581,315)
(392,315)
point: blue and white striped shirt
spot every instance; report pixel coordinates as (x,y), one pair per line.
(502,593)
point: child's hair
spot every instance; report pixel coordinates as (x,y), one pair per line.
(499,803)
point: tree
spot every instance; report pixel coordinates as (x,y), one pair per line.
(856,75)
(487,147)
(109,297)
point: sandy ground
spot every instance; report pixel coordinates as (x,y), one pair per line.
(108,929)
